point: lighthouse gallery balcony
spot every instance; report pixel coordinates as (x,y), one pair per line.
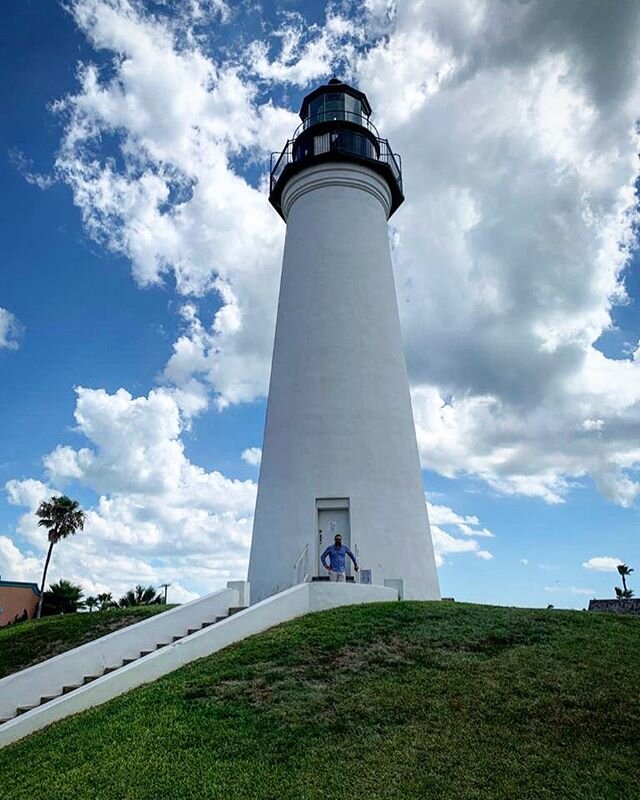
(335,127)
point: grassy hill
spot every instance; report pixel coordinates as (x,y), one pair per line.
(30,642)
(397,700)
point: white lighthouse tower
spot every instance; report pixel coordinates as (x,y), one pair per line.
(339,453)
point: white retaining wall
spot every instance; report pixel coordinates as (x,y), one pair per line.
(294,602)
(47,678)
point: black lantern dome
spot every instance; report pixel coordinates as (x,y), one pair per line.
(335,127)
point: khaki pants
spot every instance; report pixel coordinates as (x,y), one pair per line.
(337,577)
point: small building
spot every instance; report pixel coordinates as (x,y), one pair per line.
(16,598)
(615,606)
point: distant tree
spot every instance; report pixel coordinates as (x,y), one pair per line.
(105,601)
(63,597)
(62,517)
(624,571)
(623,594)
(91,602)
(140,596)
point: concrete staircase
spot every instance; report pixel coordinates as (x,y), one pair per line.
(86,679)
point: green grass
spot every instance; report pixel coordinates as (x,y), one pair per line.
(38,639)
(397,700)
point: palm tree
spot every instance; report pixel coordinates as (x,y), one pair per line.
(624,571)
(63,597)
(91,602)
(105,601)
(62,517)
(140,596)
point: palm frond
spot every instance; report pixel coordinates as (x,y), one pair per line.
(62,516)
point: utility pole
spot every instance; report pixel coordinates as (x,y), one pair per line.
(165,586)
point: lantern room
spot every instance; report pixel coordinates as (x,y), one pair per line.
(336,127)
(335,101)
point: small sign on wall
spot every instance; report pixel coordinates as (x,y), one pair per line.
(365,576)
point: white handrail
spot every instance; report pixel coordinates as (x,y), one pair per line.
(303,554)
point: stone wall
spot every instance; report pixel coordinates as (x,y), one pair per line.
(616,606)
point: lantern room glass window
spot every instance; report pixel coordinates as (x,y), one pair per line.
(353,108)
(334,106)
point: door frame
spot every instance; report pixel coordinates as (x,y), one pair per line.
(329,504)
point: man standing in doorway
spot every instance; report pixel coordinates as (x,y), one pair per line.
(337,553)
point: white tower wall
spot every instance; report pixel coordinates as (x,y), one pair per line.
(339,420)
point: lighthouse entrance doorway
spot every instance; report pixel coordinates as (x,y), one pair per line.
(333,518)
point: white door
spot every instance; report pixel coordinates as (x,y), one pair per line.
(332,521)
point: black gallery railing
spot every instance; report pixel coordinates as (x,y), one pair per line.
(336,115)
(336,141)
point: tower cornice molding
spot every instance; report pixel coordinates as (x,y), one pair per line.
(352,176)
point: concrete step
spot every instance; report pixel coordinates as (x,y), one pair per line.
(24,709)
(109,670)
(90,678)
(159,646)
(220,618)
(48,698)
(206,624)
(67,689)
(235,609)
(177,638)
(128,661)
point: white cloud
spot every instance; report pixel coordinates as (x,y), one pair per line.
(443,515)
(516,127)
(15,566)
(157,516)
(10,330)
(178,207)
(252,456)
(575,590)
(29,492)
(524,167)
(582,591)
(307,52)
(24,166)
(444,542)
(602,563)
(593,424)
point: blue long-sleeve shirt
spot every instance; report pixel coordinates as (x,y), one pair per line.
(337,557)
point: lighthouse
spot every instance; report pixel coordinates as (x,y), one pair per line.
(339,452)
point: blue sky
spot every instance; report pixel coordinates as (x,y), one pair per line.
(140,254)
